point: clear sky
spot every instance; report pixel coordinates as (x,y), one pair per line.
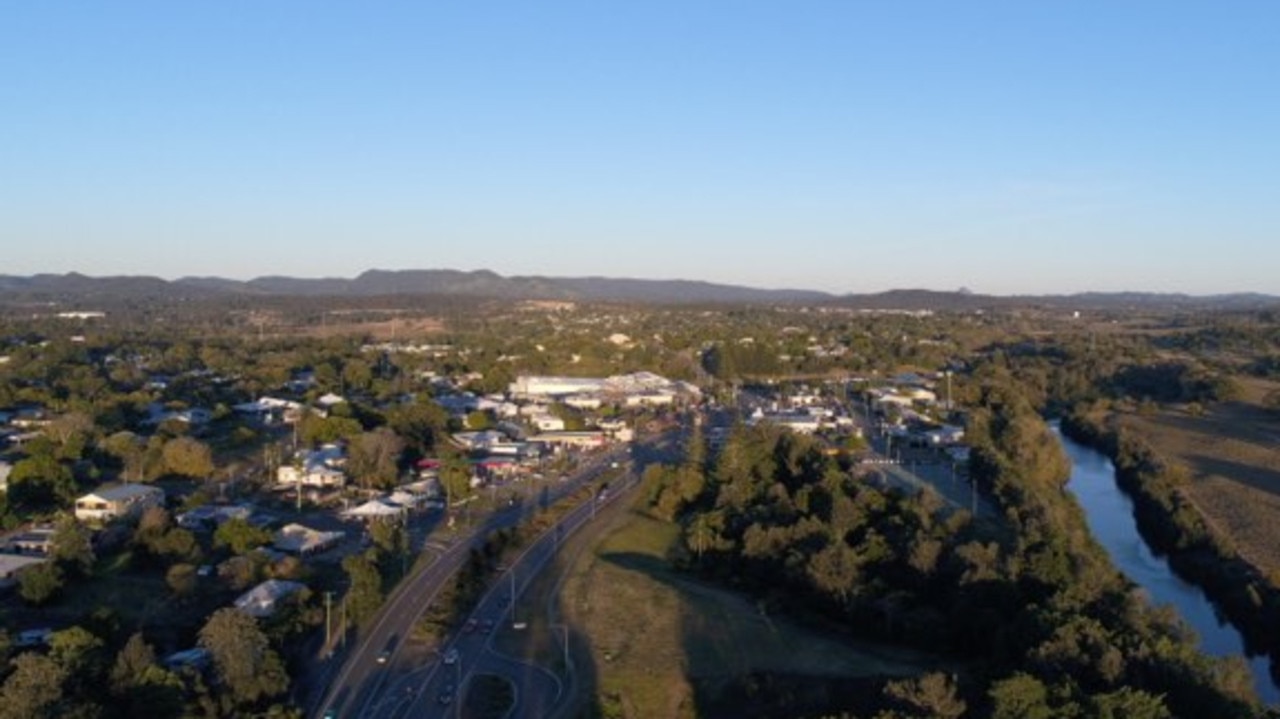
(850,146)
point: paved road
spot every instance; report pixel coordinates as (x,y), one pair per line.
(537,690)
(363,686)
(927,471)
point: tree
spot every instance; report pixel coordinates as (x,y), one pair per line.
(73,545)
(245,663)
(70,433)
(240,536)
(314,429)
(188,457)
(1129,703)
(932,695)
(152,525)
(131,664)
(373,458)
(39,482)
(140,687)
(365,595)
(1021,696)
(390,537)
(34,688)
(701,534)
(455,474)
(835,569)
(181,579)
(38,584)
(81,654)
(478,420)
(177,544)
(419,424)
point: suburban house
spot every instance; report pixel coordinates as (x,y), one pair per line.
(271,410)
(264,599)
(312,475)
(194,417)
(210,516)
(125,500)
(37,540)
(320,468)
(11,565)
(302,540)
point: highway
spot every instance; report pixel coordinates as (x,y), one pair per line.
(537,691)
(363,686)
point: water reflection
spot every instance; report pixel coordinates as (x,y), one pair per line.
(1110,516)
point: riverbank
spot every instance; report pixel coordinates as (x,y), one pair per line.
(1170,523)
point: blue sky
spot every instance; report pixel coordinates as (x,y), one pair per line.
(850,146)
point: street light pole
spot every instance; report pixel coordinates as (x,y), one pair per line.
(328,628)
(512,573)
(564,629)
(457,688)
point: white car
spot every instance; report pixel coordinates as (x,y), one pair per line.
(451,656)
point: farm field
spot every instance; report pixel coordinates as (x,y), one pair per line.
(1232,452)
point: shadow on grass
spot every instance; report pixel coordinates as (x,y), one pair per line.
(1265,479)
(727,641)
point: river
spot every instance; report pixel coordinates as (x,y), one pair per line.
(1110,516)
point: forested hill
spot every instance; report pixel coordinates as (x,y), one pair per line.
(75,287)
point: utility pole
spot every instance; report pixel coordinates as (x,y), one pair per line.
(512,573)
(342,612)
(328,628)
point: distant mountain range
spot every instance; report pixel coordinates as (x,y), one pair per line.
(80,288)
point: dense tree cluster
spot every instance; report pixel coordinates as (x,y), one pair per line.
(1046,624)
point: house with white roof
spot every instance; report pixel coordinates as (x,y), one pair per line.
(303,540)
(321,468)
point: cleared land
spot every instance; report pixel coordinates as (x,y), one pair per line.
(1233,454)
(649,642)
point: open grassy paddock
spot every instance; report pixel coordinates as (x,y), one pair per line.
(1232,452)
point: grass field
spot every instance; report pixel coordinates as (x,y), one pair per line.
(648,642)
(1233,453)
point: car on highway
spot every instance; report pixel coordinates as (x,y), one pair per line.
(330,714)
(451,656)
(446,694)
(384,656)
(469,627)
(486,627)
